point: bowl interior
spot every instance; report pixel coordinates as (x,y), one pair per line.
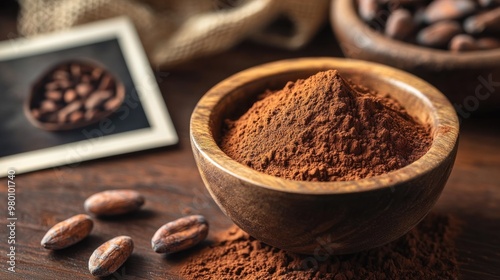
(233,96)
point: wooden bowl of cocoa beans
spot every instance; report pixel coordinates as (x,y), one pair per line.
(73,94)
(452,44)
(329,217)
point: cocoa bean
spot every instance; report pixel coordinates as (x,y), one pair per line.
(60,75)
(70,95)
(97,99)
(448,10)
(488,3)
(67,232)
(439,34)
(113,202)
(399,24)
(54,95)
(66,111)
(463,42)
(96,74)
(112,104)
(106,83)
(84,89)
(75,70)
(485,22)
(180,234)
(64,84)
(368,9)
(76,117)
(85,79)
(108,257)
(48,106)
(91,114)
(52,86)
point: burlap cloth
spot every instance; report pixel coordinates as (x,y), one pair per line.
(173,31)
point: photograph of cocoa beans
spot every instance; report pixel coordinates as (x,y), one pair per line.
(67,94)
(74,94)
(304,140)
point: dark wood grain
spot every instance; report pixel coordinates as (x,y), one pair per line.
(170,182)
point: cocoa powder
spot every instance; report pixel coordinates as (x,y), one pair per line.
(325,129)
(426,252)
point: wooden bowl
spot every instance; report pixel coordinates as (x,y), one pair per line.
(339,217)
(37,95)
(462,77)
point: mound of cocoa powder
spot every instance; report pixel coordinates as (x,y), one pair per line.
(325,129)
(426,252)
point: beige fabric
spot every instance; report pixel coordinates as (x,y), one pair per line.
(173,31)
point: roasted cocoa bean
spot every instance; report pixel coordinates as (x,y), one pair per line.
(108,257)
(84,89)
(438,34)
(488,22)
(75,70)
(60,75)
(400,24)
(52,86)
(113,202)
(180,234)
(368,9)
(76,117)
(463,42)
(67,232)
(48,106)
(54,95)
(70,95)
(85,79)
(64,84)
(97,99)
(112,104)
(96,74)
(66,111)
(448,10)
(106,83)
(488,3)
(91,114)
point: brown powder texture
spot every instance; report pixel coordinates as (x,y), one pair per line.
(325,129)
(426,252)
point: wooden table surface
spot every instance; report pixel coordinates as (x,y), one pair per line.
(169,180)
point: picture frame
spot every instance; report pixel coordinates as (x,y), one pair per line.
(142,121)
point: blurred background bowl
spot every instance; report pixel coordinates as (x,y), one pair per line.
(465,78)
(339,217)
